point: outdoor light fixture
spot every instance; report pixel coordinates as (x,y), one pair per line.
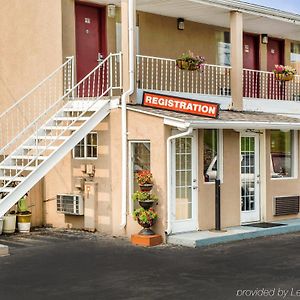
(111,10)
(180,23)
(264,38)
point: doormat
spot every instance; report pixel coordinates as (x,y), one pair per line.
(264,225)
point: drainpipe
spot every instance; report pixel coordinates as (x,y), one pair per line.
(169,187)
(124,113)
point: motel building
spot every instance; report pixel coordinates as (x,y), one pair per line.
(91,94)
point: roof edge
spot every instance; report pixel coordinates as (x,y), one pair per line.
(253,9)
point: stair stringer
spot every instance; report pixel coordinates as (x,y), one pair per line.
(22,188)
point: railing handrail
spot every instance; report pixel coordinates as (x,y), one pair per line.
(59,99)
(174,60)
(35,122)
(263,72)
(69,59)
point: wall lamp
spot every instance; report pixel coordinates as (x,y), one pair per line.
(111,8)
(264,38)
(180,23)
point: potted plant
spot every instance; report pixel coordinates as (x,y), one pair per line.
(284,73)
(189,61)
(145,199)
(144,179)
(23,215)
(146,218)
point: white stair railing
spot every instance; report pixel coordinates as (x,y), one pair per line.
(27,115)
(155,73)
(102,81)
(15,121)
(264,85)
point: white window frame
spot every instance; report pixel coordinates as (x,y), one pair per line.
(85,148)
(294,158)
(220,155)
(130,170)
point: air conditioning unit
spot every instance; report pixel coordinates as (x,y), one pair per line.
(70,204)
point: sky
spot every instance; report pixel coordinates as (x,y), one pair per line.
(285,5)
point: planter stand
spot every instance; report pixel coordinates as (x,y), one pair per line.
(146,240)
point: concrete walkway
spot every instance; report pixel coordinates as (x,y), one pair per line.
(205,238)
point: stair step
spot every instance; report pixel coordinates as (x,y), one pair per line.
(80,109)
(60,127)
(39,147)
(28,157)
(10,178)
(28,168)
(70,118)
(52,137)
(6,189)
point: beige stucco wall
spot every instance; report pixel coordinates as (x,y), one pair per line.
(279,187)
(159,36)
(30,45)
(230,187)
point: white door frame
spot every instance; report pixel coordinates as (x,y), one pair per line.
(188,224)
(252,215)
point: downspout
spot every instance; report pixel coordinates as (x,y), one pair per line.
(169,185)
(124,113)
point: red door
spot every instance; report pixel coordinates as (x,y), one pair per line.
(251,62)
(90,38)
(275,56)
(275,53)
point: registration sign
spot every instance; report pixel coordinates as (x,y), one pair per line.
(183,105)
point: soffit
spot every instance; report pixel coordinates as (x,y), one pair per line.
(211,14)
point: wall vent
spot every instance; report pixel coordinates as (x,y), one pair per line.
(70,204)
(288,205)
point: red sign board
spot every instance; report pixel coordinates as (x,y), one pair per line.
(188,106)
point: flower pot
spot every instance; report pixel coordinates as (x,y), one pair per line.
(147,187)
(146,228)
(24,222)
(284,77)
(9,224)
(146,204)
(187,65)
(1,225)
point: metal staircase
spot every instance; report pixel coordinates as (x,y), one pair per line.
(36,138)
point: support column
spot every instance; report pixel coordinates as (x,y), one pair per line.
(90,205)
(125,44)
(236,56)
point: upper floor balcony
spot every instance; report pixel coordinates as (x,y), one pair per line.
(162,74)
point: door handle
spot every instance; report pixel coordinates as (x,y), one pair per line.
(100,58)
(195,187)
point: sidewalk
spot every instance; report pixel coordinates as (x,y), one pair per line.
(205,238)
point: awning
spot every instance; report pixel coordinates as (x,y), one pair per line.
(227,119)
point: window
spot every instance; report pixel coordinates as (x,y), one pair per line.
(140,160)
(87,147)
(295,62)
(283,154)
(224,49)
(212,143)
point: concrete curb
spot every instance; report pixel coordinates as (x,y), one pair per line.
(206,238)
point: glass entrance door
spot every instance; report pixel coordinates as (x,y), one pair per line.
(250,202)
(184,181)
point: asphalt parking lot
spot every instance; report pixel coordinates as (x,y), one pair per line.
(57,264)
